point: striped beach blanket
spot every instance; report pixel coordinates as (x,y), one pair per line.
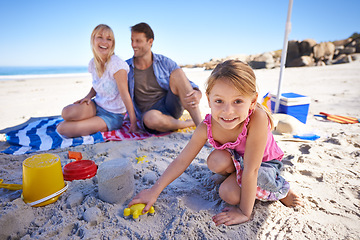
(124,134)
(41,135)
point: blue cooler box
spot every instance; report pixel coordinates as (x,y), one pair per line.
(293,104)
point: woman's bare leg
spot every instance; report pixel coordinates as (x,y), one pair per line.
(80,120)
(82,127)
(77,112)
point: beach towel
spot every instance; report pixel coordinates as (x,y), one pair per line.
(124,134)
(41,135)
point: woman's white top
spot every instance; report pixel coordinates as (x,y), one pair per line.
(107,92)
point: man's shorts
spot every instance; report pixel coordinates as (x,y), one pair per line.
(168,105)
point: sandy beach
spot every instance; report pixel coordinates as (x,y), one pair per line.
(324,172)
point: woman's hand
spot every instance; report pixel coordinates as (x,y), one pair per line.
(147,197)
(230,216)
(134,128)
(84,100)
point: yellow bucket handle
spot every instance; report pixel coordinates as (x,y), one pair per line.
(12,187)
(50,196)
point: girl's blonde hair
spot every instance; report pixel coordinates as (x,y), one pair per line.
(241,76)
(100,63)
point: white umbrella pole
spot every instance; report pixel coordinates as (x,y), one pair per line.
(283,55)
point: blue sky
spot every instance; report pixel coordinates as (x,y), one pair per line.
(57,33)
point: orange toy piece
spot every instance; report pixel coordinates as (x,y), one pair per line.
(75,155)
(136,210)
(340,119)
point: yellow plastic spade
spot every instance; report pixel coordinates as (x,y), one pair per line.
(12,187)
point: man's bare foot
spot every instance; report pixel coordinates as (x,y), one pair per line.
(185,124)
(292,199)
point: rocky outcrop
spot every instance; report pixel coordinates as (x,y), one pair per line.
(264,60)
(301,61)
(324,51)
(300,53)
(306,47)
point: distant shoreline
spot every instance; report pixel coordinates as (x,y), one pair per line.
(7,71)
(37,76)
(61,75)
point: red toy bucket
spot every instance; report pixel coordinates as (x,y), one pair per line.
(78,170)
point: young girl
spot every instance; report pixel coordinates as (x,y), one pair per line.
(109,87)
(245,151)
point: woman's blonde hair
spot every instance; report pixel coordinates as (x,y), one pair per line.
(241,76)
(100,63)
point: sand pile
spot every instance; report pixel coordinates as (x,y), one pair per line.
(325,172)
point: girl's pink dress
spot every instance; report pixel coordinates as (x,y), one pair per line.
(271,186)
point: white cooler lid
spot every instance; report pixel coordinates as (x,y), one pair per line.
(291,99)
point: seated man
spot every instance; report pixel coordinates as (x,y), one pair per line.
(158,87)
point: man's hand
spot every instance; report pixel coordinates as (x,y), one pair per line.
(192,99)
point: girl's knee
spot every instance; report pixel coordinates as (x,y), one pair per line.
(229,194)
(219,161)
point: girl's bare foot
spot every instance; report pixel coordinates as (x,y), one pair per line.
(292,200)
(218,178)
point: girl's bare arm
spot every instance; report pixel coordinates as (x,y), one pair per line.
(254,151)
(174,170)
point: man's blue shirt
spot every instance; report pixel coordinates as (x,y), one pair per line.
(163,67)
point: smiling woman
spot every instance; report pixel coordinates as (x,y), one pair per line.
(103,45)
(111,101)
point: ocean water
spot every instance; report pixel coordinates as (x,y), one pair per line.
(13,71)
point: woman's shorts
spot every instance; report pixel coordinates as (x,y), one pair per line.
(113,121)
(270,185)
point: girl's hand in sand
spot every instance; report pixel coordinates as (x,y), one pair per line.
(230,216)
(146,197)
